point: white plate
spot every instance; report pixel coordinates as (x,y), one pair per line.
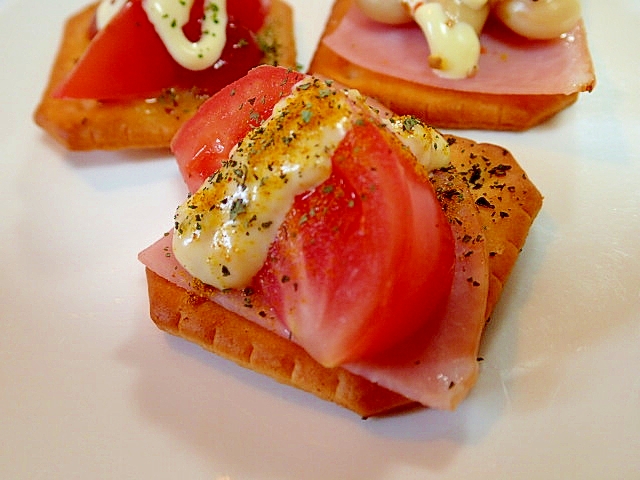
(89,388)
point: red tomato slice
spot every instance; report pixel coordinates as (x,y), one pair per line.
(127,59)
(222,121)
(365,259)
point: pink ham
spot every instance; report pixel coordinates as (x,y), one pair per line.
(509,64)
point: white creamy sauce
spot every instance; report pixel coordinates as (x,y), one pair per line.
(455,46)
(427,145)
(168,17)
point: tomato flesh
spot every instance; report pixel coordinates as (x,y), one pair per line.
(361,261)
(128,60)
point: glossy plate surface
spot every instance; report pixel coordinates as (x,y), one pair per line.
(89,388)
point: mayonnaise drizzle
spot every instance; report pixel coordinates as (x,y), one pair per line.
(454,45)
(427,144)
(168,17)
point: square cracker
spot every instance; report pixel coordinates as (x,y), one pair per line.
(510,202)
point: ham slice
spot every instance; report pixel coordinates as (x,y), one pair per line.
(509,64)
(437,367)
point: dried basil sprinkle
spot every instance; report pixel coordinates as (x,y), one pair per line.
(306,115)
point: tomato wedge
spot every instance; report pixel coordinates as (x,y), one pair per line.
(363,260)
(127,59)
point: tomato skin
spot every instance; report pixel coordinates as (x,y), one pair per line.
(206,140)
(363,260)
(116,68)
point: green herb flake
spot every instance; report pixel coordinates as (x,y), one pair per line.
(409,122)
(237,207)
(306,115)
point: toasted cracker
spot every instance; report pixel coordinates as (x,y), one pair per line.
(81,124)
(507,201)
(443,108)
(511,202)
